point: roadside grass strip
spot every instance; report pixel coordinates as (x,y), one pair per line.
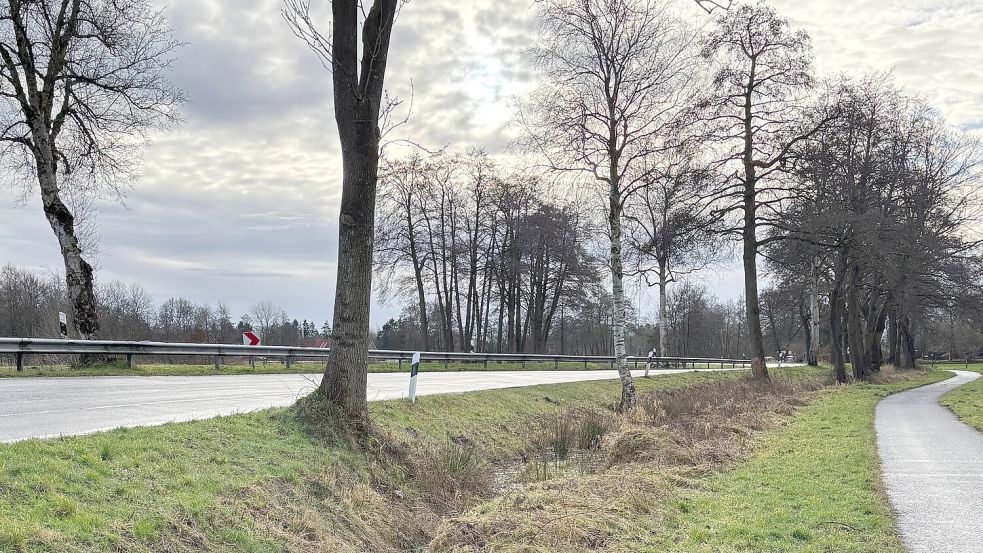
(708,462)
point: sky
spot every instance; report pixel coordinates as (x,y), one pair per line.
(240,203)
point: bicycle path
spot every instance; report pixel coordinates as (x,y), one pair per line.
(933,469)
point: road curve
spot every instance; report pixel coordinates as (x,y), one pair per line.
(38,407)
(933,469)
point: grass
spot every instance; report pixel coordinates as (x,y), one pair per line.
(812,485)
(273,367)
(263,482)
(709,462)
(966,401)
(698,472)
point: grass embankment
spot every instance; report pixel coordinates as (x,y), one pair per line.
(966,401)
(709,462)
(276,367)
(264,482)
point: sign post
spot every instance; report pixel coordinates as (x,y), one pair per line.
(648,363)
(414,370)
(63,324)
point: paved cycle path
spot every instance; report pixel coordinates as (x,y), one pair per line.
(933,469)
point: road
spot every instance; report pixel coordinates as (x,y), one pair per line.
(47,407)
(933,468)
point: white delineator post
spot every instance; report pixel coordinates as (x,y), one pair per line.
(648,363)
(415,368)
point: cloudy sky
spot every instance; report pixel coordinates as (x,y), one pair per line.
(240,204)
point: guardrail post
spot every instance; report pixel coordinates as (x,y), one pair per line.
(252,362)
(19,360)
(289,362)
(218,362)
(556,365)
(400,361)
(129,360)
(414,370)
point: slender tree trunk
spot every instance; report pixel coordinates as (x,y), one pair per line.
(758,368)
(663,317)
(812,351)
(618,292)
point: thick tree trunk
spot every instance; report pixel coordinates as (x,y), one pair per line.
(78,272)
(836,308)
(858,353)
(345,378)
(357,101)
(892,337)
(618,292)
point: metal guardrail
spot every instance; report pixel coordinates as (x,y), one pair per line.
(22,347)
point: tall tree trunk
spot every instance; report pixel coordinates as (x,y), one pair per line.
(663,316)
(836,308)
(356,106)
(78,272)
(812,352)
(892,336)
(618,292)
(756,340)
(858,353)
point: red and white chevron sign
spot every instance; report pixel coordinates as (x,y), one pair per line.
(250,339)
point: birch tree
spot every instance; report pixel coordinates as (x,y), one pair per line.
(82,83)
(358,87)
(615,75)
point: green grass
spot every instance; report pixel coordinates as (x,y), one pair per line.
(253,482)
(966,401)
(812,485)
(263,482)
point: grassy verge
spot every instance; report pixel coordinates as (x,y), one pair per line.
(263,482)
(810,483)
(709,462)
(813,485)
(966,401)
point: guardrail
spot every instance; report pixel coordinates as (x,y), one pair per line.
(22,347)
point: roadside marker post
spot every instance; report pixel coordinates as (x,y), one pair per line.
(249,338)
(63,324)
(414,370)
(648,362)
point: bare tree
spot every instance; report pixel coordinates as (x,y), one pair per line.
(670,228)
(82,83)
(763,76)
(358,88)
(616,74)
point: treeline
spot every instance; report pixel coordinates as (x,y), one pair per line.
(880,230)
(30,302)
(493,260)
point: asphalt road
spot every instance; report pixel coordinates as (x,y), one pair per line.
(47,407)
(933,469)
